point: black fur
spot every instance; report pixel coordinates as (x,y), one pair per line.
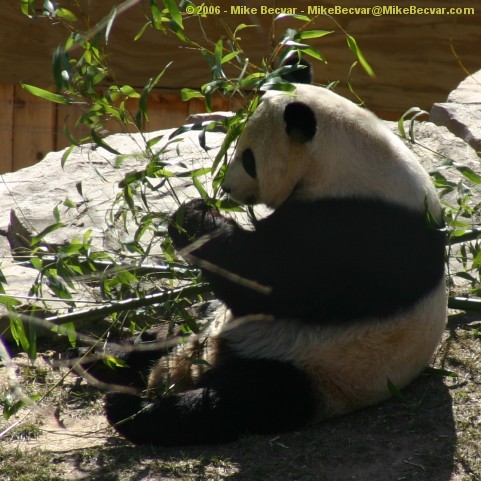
(332,261)
(301,123)
(249,163)
(138,354)
(328,262)
(237,397)
(302,75)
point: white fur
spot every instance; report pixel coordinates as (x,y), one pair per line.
(352,154)
(350,366)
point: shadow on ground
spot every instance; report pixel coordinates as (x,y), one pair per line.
(412,441)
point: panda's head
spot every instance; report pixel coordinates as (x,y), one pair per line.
(312,143)
(272,153)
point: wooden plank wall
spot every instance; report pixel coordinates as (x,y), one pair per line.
(418,60)
(6,127)
(31,127)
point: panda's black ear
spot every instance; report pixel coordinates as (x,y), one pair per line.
(301,124)
(302,75)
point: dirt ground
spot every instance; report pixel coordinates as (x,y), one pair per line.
(433,434)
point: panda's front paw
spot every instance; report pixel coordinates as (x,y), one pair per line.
(193,220)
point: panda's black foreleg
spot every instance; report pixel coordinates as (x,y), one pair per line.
(241,396)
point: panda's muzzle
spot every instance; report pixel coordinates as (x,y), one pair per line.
(249,200)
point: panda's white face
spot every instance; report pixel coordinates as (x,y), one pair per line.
(313,144)
(272,153)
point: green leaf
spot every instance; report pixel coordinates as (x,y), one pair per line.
(432,371)
(129,92)
(36,263)
(188,94)
(18,331)
(113,362)
(200,188)
(126,278)
(142,31)
(65,14)
(293,43)
(252,80)
(66,155)
(168,249)
(395,392)
(351,41)
(45,94)
(101,143)
(415,111)
(9,301)
(202,171)
(219,47)
(174,11)
(56,213)
(61,68)
(277,83)
(230,56)
(302,18)
(477,260)
(67,329)
(49,7)
(313,34)
(51,228)
(25,6)
(142,112)
(466,276)
(154,141)
(110,22)
(70,204)
(468,173)
(242,26)
(312,52)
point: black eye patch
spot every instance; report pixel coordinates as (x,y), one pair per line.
(249,162)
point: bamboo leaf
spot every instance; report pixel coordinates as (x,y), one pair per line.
(302,18)
(45,94)
(313,34)
(101,143)
(200,188)
(395,392)
(18,331)
(188,94)
(468,173)
(351,41)
(230,56)
(314,53)
(51,228)
(174,11)
(110,22)
(9,301)
(25,6)
(67,329)
(65,14)
(432,371)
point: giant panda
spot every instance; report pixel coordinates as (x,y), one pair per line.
(333,298)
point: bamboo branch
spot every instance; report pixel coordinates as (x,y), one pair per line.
(127,304)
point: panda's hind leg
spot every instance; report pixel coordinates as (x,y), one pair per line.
(239,396)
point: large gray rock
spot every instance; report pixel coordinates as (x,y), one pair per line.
(90,180)
(461,114)
(86,196)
